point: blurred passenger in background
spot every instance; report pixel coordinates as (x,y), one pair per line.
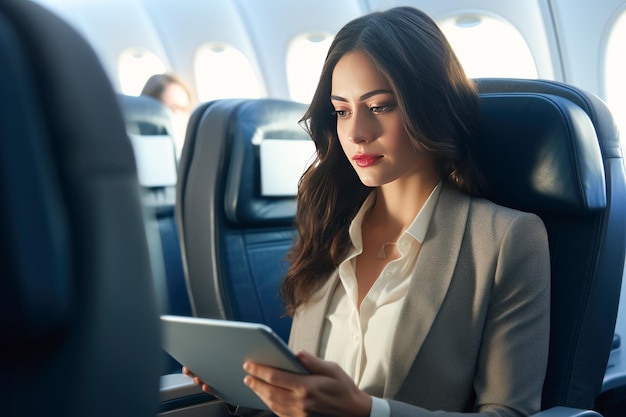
(172,91)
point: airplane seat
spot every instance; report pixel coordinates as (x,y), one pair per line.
(236,204)
(79,328)
(235,207)
(149,125)
(553,149)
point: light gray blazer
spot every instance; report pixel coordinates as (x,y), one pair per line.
(474,328)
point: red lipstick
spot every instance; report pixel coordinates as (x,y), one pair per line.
(365,160)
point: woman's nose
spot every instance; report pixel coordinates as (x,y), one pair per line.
(361,129)
(358,139)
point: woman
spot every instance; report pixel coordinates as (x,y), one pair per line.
(410,295)
(173,92)
(169,89)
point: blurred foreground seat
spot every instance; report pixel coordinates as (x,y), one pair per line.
(79,331)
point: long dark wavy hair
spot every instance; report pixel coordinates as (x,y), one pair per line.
(440,110)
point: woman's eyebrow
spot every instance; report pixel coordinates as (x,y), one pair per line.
(364,96)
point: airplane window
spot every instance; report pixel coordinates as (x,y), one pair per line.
(135,66)
(305,57)
(489,47)
(614,73)
(224,72)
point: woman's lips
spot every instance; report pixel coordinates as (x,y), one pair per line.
(365,160)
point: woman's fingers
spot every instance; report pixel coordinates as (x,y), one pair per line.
(187,372)
(206,388)
(282,401)
(318,366)
(193,376)
(326,390)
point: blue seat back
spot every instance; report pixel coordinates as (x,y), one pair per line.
(235,223)
(148,122)
(554,150)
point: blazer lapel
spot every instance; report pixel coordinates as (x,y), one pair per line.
(308,332)
(434,268)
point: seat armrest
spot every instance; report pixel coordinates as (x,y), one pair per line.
(176,386)
(615,375)
(180,397)
(566,412)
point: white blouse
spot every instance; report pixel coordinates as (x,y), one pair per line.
(361,341)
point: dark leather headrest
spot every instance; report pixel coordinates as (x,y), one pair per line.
(254,122)
(145,115)
(596,109)
(540,153)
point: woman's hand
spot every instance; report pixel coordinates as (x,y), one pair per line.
(198,381)
(327,390)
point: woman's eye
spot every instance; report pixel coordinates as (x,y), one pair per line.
(340,113)
(380,109)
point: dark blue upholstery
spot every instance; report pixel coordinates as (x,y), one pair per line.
(553,149)
(150,120)
(234,239)
(149,123)
(145,115)
(79,331)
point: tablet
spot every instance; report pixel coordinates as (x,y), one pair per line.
(215,351)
